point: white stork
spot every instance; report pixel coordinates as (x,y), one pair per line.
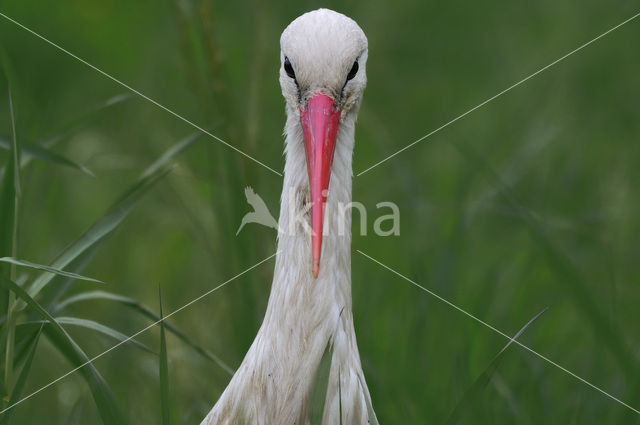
(322,75)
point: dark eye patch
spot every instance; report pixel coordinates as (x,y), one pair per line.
(353,72)
(288,68)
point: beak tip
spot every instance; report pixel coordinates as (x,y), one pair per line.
(316,269)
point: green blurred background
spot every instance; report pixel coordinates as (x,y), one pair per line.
(525,203)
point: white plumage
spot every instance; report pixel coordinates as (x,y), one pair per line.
(274,382)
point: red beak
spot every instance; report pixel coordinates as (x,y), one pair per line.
(320,127)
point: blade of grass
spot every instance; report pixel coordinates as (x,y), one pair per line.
(171,153)
(575,283)
(91,112)
(66,129)
(8,201)
(115,215)
(25,332)
(49,269)
(7,217)
(100,328)
(43,154)
(11,79)
(103,397)
(101,228)
(320,385)
(75,417)
(145,311)
(59,285)
(573,280)
(22,378)
(164,371)
(462,409)
(9,231)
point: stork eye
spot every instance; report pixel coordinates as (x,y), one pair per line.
(288,68)
(353,72)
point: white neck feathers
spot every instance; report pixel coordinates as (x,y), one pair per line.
(274,382)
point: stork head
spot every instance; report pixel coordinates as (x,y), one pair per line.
(323,58)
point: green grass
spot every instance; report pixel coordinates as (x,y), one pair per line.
(525,203)
(320,385)
(165,398)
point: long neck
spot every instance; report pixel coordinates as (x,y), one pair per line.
(304,314)
(297,298)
